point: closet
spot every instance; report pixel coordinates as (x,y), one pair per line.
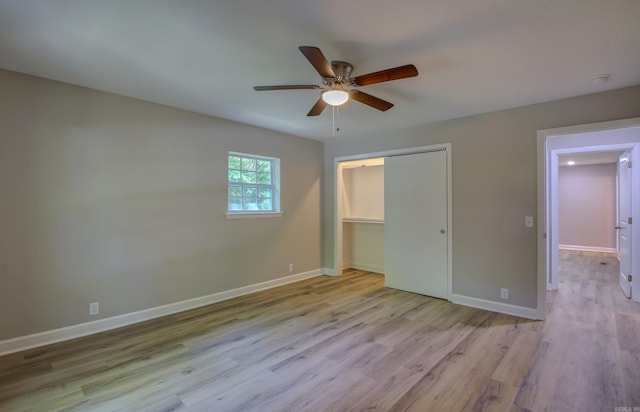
(394,218)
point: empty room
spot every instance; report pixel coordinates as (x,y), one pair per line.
(319,206)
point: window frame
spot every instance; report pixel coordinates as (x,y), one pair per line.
(274,186)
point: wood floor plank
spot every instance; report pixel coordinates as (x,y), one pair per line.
(539,382)
(496,396)
(348,343)
(517,359)
(144,405)
(600,383)
(393,383)
(630,365)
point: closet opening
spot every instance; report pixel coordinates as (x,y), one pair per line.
(362,221)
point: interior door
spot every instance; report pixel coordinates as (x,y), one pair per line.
(415,223)
(624,221)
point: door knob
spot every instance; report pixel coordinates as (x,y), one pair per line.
(442,231)
(617,227)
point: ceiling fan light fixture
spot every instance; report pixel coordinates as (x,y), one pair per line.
(335,97)
(338,87)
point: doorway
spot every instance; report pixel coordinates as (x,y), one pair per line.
(341,163)
(552,143)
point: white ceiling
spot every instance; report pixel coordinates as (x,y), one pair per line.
(473,56)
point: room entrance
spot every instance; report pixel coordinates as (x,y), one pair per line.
(553,143)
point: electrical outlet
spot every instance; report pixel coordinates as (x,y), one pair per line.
(504,293)
(94,308)
(290,267)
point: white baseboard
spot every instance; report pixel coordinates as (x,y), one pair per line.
(588,248)
(329,272)
(521,311)
(101,325)
(365,266)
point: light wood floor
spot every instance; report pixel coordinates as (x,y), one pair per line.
(347,343)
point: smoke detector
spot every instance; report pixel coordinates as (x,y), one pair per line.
(600,79)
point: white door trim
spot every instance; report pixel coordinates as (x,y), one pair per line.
(624,233)
(337,202)
(587,137)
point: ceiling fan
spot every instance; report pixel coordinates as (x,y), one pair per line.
(337,84)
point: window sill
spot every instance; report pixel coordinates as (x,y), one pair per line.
(252,215)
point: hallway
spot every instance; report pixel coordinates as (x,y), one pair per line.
(589,356)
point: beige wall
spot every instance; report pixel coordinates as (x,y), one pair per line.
(587,205)
(364,192)
(494,186)
(363,246)
(111,199)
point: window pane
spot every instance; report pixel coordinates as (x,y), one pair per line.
(235,203)
(235,191)
(248,177)
(249,192)
(234,175)
(250,204)
(265,204)
(248,164)
(264,166)
(234,162)
(264,178)
(264,193)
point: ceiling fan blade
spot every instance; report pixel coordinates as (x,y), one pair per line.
(287,87)
(317,108)
(401,72)
(317,60)
(370,100)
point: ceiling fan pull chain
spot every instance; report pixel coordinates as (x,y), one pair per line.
(335,117)
(333,121)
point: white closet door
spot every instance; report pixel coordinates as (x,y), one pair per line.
(415,223)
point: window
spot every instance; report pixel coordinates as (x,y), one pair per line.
(254,184)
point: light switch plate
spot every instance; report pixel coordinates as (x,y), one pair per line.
(528,221)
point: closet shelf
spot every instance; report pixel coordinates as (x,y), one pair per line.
(375,220)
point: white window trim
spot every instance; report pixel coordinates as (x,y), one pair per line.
(252,214)
(244,214)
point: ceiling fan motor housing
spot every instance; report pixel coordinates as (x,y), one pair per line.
(342,71)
